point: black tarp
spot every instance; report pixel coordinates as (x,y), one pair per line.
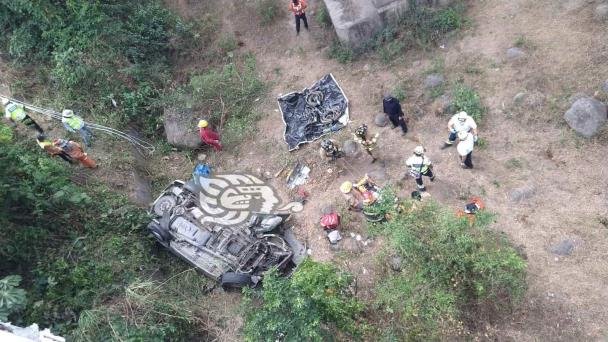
(304,122)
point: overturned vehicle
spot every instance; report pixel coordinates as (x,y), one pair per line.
(234,255)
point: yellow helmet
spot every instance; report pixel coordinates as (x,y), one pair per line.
(346,187)
(203,123)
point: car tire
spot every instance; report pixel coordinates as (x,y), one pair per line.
(235,280)
(161,234)
(163,204)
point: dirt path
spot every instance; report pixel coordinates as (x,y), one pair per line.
(528,145)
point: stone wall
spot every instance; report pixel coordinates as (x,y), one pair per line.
(356,21)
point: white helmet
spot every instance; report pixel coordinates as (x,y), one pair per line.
(462,135)
(5,101)
(419,150)
(462,116)
(67,113)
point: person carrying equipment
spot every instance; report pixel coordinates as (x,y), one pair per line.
(465,149)
(75,151)
(330,150)
(392,108)
(420,166)
(460,122)
(368,144)
(51,149)
(74,123)
(15,113)
(208,136)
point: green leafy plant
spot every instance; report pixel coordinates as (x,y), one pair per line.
(12,299)
(468,100)
(341,52)
(309,306)
(322,15)
(267,11)
(453,270)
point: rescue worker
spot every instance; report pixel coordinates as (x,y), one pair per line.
(460,122)
(353,197)
(465,149)
(298,8)
(368,144)
(75,152)
(392,108)
(74,123)
(420,166)
(208,136)
(330,150)
(15,113)
(51,149)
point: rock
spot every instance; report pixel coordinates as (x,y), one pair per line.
(516,53)
(519,98)
(180,130)
(563,248)
(350,148)
(381,120)
(586,116)
(433,81)
(396,263)
(334,236)
(601,12)
(521,193)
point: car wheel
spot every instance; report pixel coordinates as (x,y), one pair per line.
(162,235)
(235,280)
(163,204)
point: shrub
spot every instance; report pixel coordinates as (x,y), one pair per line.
(228,95)
(12,299)
(454,270)
(341,52)
(309,306)
(322,15)
(267,11)
(468,100)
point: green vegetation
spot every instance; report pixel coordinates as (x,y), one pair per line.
(77,251)
(267,11)
(419,27)
(89,53)
(309,306)
(453,271)
(468,100)
(12,299)
(322,15)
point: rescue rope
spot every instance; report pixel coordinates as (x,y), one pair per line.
(140,145)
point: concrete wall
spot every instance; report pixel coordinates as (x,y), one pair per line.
(356,21)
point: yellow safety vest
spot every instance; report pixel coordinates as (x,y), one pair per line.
(15,112)
(75,122)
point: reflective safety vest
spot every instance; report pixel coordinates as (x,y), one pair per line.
(14,112)
(75,122)
(418,165)
(44,143)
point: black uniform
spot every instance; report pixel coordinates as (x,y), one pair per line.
(392,108)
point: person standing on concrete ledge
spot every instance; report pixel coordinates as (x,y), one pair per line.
(298,7)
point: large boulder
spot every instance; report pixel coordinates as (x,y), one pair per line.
(516,53)
(586,116)
(601,12)
(381,120)
(180,129)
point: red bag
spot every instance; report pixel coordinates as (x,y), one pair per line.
(330,221)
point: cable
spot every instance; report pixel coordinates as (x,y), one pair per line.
(140,145)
